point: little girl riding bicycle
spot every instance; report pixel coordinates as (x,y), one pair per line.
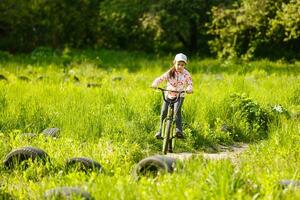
(178,79)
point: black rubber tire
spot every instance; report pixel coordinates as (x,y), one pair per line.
(166,141)
(24,78)
(170,146)
(16,156)
(172,139)
(3,78)
(84,164)
(53,132)
(67,193)
(153,165)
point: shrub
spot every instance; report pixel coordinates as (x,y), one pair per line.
(248,120)
(43,53)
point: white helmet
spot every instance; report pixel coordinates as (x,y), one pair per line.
(180,57)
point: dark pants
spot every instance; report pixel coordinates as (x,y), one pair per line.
(177,110)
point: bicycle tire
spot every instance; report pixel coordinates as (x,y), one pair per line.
(16,156)
(167,137)
(172,138)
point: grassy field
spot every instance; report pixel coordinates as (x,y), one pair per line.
(105,110)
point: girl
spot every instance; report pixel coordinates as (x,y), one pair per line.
(178,79)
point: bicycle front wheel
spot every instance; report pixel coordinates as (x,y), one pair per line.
(172,138)
(166,141)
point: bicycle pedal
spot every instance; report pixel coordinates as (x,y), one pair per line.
(180,136)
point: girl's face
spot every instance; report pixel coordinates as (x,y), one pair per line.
(179,66)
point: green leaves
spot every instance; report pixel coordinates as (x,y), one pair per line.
(287,21)
(249,117)
(247,29)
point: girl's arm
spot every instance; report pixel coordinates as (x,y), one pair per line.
(160,79)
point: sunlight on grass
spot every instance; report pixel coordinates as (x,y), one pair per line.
(105,110)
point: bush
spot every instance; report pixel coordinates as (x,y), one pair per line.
(249,120)
(43,53)
(237,118)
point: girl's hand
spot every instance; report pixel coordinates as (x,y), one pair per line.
(153,86)
(189,91)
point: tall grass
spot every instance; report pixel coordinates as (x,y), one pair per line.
(102,103)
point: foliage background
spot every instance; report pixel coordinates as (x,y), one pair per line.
(225,28)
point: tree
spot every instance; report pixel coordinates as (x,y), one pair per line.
(249,27)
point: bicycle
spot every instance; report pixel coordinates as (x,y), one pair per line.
(169,124)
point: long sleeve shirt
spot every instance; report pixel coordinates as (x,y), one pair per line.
(181,81)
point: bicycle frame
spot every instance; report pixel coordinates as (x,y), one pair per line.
(168,128)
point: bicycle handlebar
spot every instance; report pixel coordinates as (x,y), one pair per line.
(170,100)
(165,90)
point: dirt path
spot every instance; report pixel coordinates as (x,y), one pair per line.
(229,152)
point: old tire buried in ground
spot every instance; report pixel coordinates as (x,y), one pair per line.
(154,165)
(84,164)
(15,157)
(67,193)
(52,132)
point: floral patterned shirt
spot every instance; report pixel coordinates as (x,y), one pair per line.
(181,81)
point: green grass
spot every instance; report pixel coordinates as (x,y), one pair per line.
(114,123)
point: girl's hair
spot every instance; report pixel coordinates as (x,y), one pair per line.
(172,72)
